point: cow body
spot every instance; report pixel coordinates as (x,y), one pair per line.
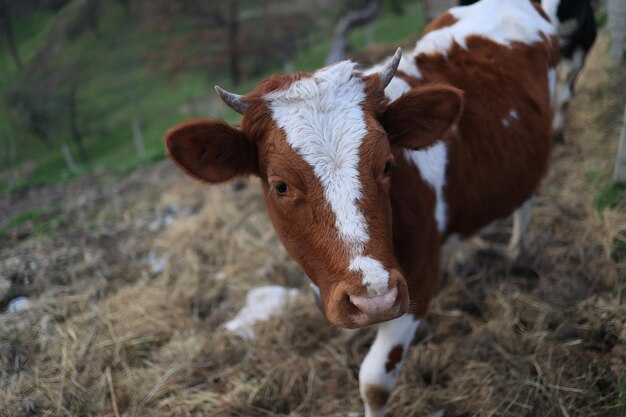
(577,31)
(323,145)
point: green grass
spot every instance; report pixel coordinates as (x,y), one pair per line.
(26,216)
(612,196)
(112,63)
(41,221)
(601,19)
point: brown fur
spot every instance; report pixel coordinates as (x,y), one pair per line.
(441,21)
(394,358)
(376,396)
(488,161)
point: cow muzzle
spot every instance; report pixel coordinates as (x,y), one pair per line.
(351,306)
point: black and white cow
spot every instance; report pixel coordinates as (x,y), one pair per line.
(576,28)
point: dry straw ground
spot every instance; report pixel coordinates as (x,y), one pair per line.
(106,337)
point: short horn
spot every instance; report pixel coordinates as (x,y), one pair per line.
(234,101)
(386,75)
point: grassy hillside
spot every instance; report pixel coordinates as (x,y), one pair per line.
(112,70)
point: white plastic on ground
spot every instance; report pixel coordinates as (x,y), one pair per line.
(18,304)
(261,304)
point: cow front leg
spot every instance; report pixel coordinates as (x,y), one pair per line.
(517,244)
(381,367)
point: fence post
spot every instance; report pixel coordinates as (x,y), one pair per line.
(617,25)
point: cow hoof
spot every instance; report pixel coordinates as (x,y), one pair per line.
(558,138)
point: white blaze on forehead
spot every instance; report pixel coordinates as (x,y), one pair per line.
(324,122)
(501,21)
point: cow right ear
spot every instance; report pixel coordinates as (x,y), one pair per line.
(211,150)
(423,115)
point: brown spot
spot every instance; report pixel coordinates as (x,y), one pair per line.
(395,356)
(443,20)
(376,396)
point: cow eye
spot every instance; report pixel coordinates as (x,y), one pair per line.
(387,168)
(281,188)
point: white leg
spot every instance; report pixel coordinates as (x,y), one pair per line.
(449,252)
(517,244)
(567,70)
(381,367)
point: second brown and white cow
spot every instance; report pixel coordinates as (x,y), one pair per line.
(366,174)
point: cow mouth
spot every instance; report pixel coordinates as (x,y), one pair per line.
(348,308)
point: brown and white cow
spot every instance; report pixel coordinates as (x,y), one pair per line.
(366,174)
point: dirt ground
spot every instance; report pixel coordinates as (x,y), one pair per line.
(132,280)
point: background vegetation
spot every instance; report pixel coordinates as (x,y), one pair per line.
(93,85)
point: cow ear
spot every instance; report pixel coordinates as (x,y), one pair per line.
(422,115)
(211,150)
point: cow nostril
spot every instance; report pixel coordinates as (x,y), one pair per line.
(349,306)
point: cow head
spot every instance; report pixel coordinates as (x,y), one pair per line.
(321,143)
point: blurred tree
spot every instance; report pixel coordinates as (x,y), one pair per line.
(55,5)
(43,100)
(85,18)
(7,11)
(352,19)
(244,36)
(10,10)
(72,106)
(126,4)
(31,107)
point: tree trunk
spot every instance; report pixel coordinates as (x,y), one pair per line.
(138,136)
(3,153)
(349,21)
(617,25)
(233,44)
(38,131)
(133,91)
(6,30)
(620,164)
(67,156)
(76,136)
(370,38)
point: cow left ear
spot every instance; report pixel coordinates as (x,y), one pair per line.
(211,150)
(422,115)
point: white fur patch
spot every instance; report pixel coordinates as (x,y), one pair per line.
(375,276)
(432,163)
(567,28)
(505,122)
(397,86)
(324,122)
(501,21)
(389,335)
(513,113)
(552,84)
(551,7)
